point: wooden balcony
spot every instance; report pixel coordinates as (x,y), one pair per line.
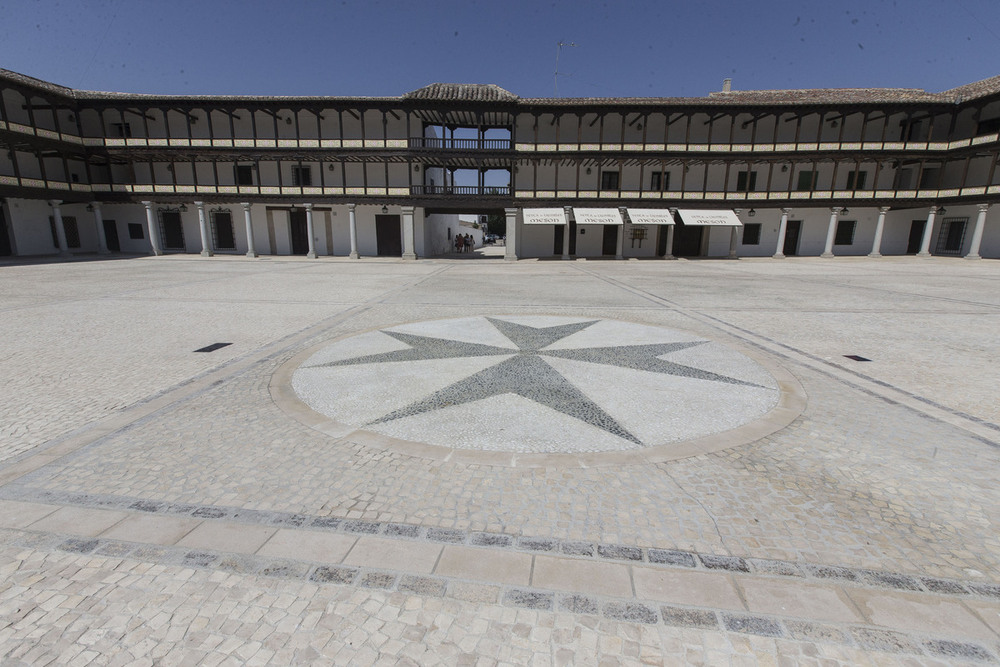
(448,144)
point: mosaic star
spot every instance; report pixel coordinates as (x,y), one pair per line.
(525,373)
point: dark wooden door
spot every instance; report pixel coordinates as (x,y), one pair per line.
(662,232)
(792,233)
(5,246)
(299,232)
(388,236)
(687,240)
(111,236)
(609,245)
(916,236)
(173,232)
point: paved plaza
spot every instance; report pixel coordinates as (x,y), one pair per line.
(475,462)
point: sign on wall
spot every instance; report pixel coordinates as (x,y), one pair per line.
(696,218)
(543,216)
(650,216)
(597,216)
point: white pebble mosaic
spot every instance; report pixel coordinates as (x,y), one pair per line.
(535,384)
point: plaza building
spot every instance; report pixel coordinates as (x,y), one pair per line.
(825,172)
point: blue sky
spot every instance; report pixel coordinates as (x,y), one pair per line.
(381,47)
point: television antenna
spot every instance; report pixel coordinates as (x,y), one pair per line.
(555,76)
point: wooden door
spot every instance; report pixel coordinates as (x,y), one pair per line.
(388,236)
(687,240)
(299,232)
(111,236)
(609,245)
(916,236)
(792,233)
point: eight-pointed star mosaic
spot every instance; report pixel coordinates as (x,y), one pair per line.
(526,367)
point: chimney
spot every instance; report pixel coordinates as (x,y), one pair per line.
(727,84)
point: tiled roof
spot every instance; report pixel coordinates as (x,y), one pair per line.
(474,92)
(465,92)
(973,90)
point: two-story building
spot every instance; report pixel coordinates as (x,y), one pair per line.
(736,173)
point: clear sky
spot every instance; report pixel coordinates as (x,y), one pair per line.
(389,47)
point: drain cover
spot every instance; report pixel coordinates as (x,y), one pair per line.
(213,347)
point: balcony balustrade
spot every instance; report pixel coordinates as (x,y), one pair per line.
(447,143)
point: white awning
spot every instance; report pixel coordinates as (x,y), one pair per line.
(597,216)
(543,216)
(720,218)
(650,216)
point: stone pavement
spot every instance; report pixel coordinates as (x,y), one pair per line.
(161,506)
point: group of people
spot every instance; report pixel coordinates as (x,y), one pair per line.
(464,243)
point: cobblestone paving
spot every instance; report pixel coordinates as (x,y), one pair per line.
(860,482)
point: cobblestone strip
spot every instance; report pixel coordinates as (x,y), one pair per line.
(626,554)
(865,637)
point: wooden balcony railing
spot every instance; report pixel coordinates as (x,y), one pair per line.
(461,144)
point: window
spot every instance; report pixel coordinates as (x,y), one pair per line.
(135,231)
(609,180)
(121,130)
(807,180)
(70,228)
(746,181)
(951,237)
(751,233)
(988,126)
(659,181)
(845,232)
(856,180)
(223,237)
(244,174)
(301,175)
(929,178)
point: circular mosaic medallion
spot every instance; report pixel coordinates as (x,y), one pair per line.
(535,385)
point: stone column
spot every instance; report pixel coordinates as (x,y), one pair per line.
(879,226)
(565,252)
(925,242)
(831,231)
(669,254)
(977,233)
(352,218)
(206,247)
(408,236)
(779,252)
(310,230)
(621,234)
(60,228)
(154,233)
(733,235)
(510,244)
(102,240)
(251,246)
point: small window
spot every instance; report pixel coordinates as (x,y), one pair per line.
(121,130)
(929,178)
(135,231)
(609,180)
(746,181)
(845,232)
(988,126)
(751,233)
(856,180)
(244,174)
(301,175)
(807,180)
(659,181)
